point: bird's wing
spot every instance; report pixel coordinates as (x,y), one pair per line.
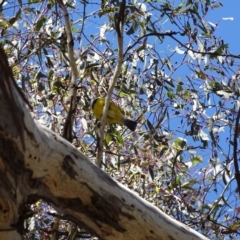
(111,114)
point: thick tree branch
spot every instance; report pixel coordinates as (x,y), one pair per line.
(52,169)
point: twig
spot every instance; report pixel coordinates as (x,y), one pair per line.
(119,30)
(149,35)
(220,197)
(171,35)
(235,151)
(67,131)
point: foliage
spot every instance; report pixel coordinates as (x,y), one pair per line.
(178,79)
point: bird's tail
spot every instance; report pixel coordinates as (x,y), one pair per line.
(130,124)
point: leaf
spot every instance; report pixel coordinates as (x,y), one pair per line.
(133,28)
(179,87)
(226,178)
(200,45)
(15,70)
(185,9)
(151,172)
(163,115)
(108,138)
(120,139)
(178,7)
(169,82)
(201,75)
(74,29)
(220,50)
(196,160)
(43,101)
(84,123)
(40,75)
(163,150)
(40,23)
(41,87)
(189,184)
(210,124)
(235,226)
(180,143)
(226,203)
(224,94)
(150,126)
(15,18)
(30,10)
(203,135)
(179,51)
(107,11)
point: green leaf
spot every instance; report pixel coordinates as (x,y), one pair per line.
(108,138)
(15,18)
(189,184)
(185,9)
(107,11)
(179,87)
(120,138)
(196,160)
(180,143)
(179,7)
(40,23)
(74,29)
(30,10)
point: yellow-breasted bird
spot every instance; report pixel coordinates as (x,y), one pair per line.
(114,114)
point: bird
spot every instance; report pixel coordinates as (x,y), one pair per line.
(114,114)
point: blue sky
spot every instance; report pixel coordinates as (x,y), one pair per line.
(228,30)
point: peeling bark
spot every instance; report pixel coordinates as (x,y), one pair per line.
(36,163)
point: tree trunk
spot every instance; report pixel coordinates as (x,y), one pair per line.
(36,163)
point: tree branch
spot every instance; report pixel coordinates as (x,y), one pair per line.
(67,131)
(171,35)
(119,30)
(235,151)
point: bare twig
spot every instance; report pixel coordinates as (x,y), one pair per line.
(171,35)
(149,35)
(67,131)
(220,197)
(119,30)
(235,151)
